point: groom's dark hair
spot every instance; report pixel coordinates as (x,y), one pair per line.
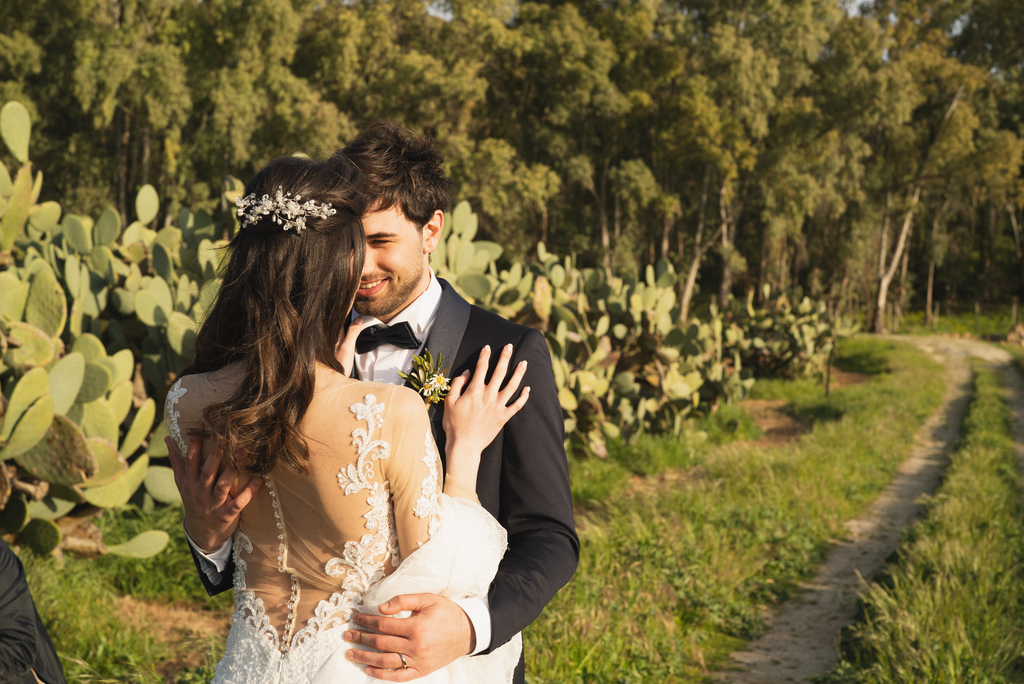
(399,168)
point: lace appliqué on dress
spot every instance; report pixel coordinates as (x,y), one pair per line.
(362,562)
(429,504)
(176,393)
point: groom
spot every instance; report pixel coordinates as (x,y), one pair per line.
(523,477)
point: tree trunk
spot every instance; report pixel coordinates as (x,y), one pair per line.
(884,248)
(698,250)
(617,219)
(931,270)
(1017,245)
(903,277)
(723,212)
(122,132)
(602,210)
(888,274)
(928,298)
(666,233)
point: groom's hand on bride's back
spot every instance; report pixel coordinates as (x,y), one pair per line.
(211,508)
(437,632)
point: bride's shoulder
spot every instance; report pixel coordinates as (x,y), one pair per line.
(204,388)
(392,398)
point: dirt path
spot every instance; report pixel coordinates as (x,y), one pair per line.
(801,637)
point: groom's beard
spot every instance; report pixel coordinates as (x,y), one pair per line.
(399,290)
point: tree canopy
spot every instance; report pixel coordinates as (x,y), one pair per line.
(866,154)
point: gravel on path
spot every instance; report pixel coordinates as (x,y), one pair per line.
(801,638)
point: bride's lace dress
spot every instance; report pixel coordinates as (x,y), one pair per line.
(370,522)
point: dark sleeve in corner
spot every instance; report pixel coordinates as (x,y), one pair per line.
(17,619)
(226,577)
(535,502)
(24,643)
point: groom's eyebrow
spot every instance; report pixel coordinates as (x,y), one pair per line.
(380,235)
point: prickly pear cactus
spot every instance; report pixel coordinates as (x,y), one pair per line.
(97,315)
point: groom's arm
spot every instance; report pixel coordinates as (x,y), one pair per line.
(211,512)
(535,502)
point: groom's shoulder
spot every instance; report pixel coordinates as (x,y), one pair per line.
(492,328)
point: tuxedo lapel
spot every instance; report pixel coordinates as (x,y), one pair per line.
(449,326)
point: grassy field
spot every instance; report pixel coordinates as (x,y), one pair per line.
(995,322)
(676,570)
(685,542)
(950,609)
(101,637)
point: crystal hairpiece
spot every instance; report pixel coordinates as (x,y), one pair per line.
(287,211)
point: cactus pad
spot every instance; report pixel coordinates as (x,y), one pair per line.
(157,447)
(13,295)
(108,227)
(117,492)
(89,346)
(153,303)
(98,420)
(147,204)
(15,514)
(163,264)
(181,334)
(61,456)
(29,389)
(475,285)
(42,536)
(111,464)
(95,383)
(124,301)
(49,508)
(140,428)
(28,433)
(16,128)
(47,308)
(77,233)
(124,365)
(66,380)
(29,347)
(44,217)
(160,485)
(72,493)
(144,545)
(120,400)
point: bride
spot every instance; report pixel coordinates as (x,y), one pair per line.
(352,510)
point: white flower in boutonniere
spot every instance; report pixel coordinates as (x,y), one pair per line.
(428,377)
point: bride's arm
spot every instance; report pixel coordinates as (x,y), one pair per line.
(474,413)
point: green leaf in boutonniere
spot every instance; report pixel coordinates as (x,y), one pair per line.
(428,377)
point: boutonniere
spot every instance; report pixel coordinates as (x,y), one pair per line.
(428,377)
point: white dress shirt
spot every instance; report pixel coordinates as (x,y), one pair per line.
(382,365)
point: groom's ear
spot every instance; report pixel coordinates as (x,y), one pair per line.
(432,231)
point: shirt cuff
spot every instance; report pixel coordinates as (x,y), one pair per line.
(479,612)
(213,563)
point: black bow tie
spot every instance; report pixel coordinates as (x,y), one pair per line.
(399,335)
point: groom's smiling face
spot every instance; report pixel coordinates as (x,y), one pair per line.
(396,269)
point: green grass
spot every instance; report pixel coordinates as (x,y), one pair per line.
(995,323)
(78,601)
(594,480)
(676,569)
(952,608)
(673,577)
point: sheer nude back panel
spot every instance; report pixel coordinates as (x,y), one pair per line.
(308,547)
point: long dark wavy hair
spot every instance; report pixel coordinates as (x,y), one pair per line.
(283,304)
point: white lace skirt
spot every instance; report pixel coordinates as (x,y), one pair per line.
(459,561)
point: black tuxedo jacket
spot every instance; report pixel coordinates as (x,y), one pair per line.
(24,644)
(523,479)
